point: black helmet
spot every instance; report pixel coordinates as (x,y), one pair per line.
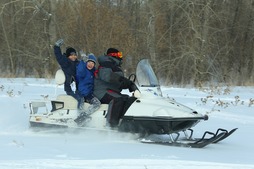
(70,51)
(114,53)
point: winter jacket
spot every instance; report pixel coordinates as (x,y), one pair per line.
(85,79)
(109,77)
(68,67)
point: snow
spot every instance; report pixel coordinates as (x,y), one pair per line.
(22,147)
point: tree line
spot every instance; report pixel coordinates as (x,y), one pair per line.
(193,42)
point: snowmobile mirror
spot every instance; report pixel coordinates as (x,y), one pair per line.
(132,77)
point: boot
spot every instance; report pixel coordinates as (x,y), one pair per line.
(82,119)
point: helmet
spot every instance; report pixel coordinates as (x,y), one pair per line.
(114,53)
(70,51)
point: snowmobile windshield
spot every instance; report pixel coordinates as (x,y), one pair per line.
(145,74)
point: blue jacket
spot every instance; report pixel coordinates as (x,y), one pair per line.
(68,67)
(85,79)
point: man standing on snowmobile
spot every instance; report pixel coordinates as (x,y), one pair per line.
(109,82)
(85,82)
(68,62)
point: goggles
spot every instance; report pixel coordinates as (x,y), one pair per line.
(117,55)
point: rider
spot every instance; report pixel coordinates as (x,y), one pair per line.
(68,62)
(85,81)
(109,82)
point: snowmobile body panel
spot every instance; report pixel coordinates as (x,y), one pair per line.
(159,115)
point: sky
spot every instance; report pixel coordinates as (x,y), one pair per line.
(26,148)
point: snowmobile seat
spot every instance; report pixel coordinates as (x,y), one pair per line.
(103,107)
(65,102)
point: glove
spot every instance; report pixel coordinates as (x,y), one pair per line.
(132,87)
(59,42)
(83,55)
(125,83)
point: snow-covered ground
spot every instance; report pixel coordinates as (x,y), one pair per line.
(21,147)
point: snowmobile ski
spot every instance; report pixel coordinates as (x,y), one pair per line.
(188,143)
(227,134)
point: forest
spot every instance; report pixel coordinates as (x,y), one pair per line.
(188,42)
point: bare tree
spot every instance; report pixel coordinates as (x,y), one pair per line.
(188,41)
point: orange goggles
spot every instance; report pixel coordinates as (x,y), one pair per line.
(117,55)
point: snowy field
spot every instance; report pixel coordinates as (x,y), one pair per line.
(22,147)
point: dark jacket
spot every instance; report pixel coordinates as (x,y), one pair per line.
(68,67)
(85,79)
(109,77)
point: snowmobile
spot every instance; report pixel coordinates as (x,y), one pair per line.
(158,119)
